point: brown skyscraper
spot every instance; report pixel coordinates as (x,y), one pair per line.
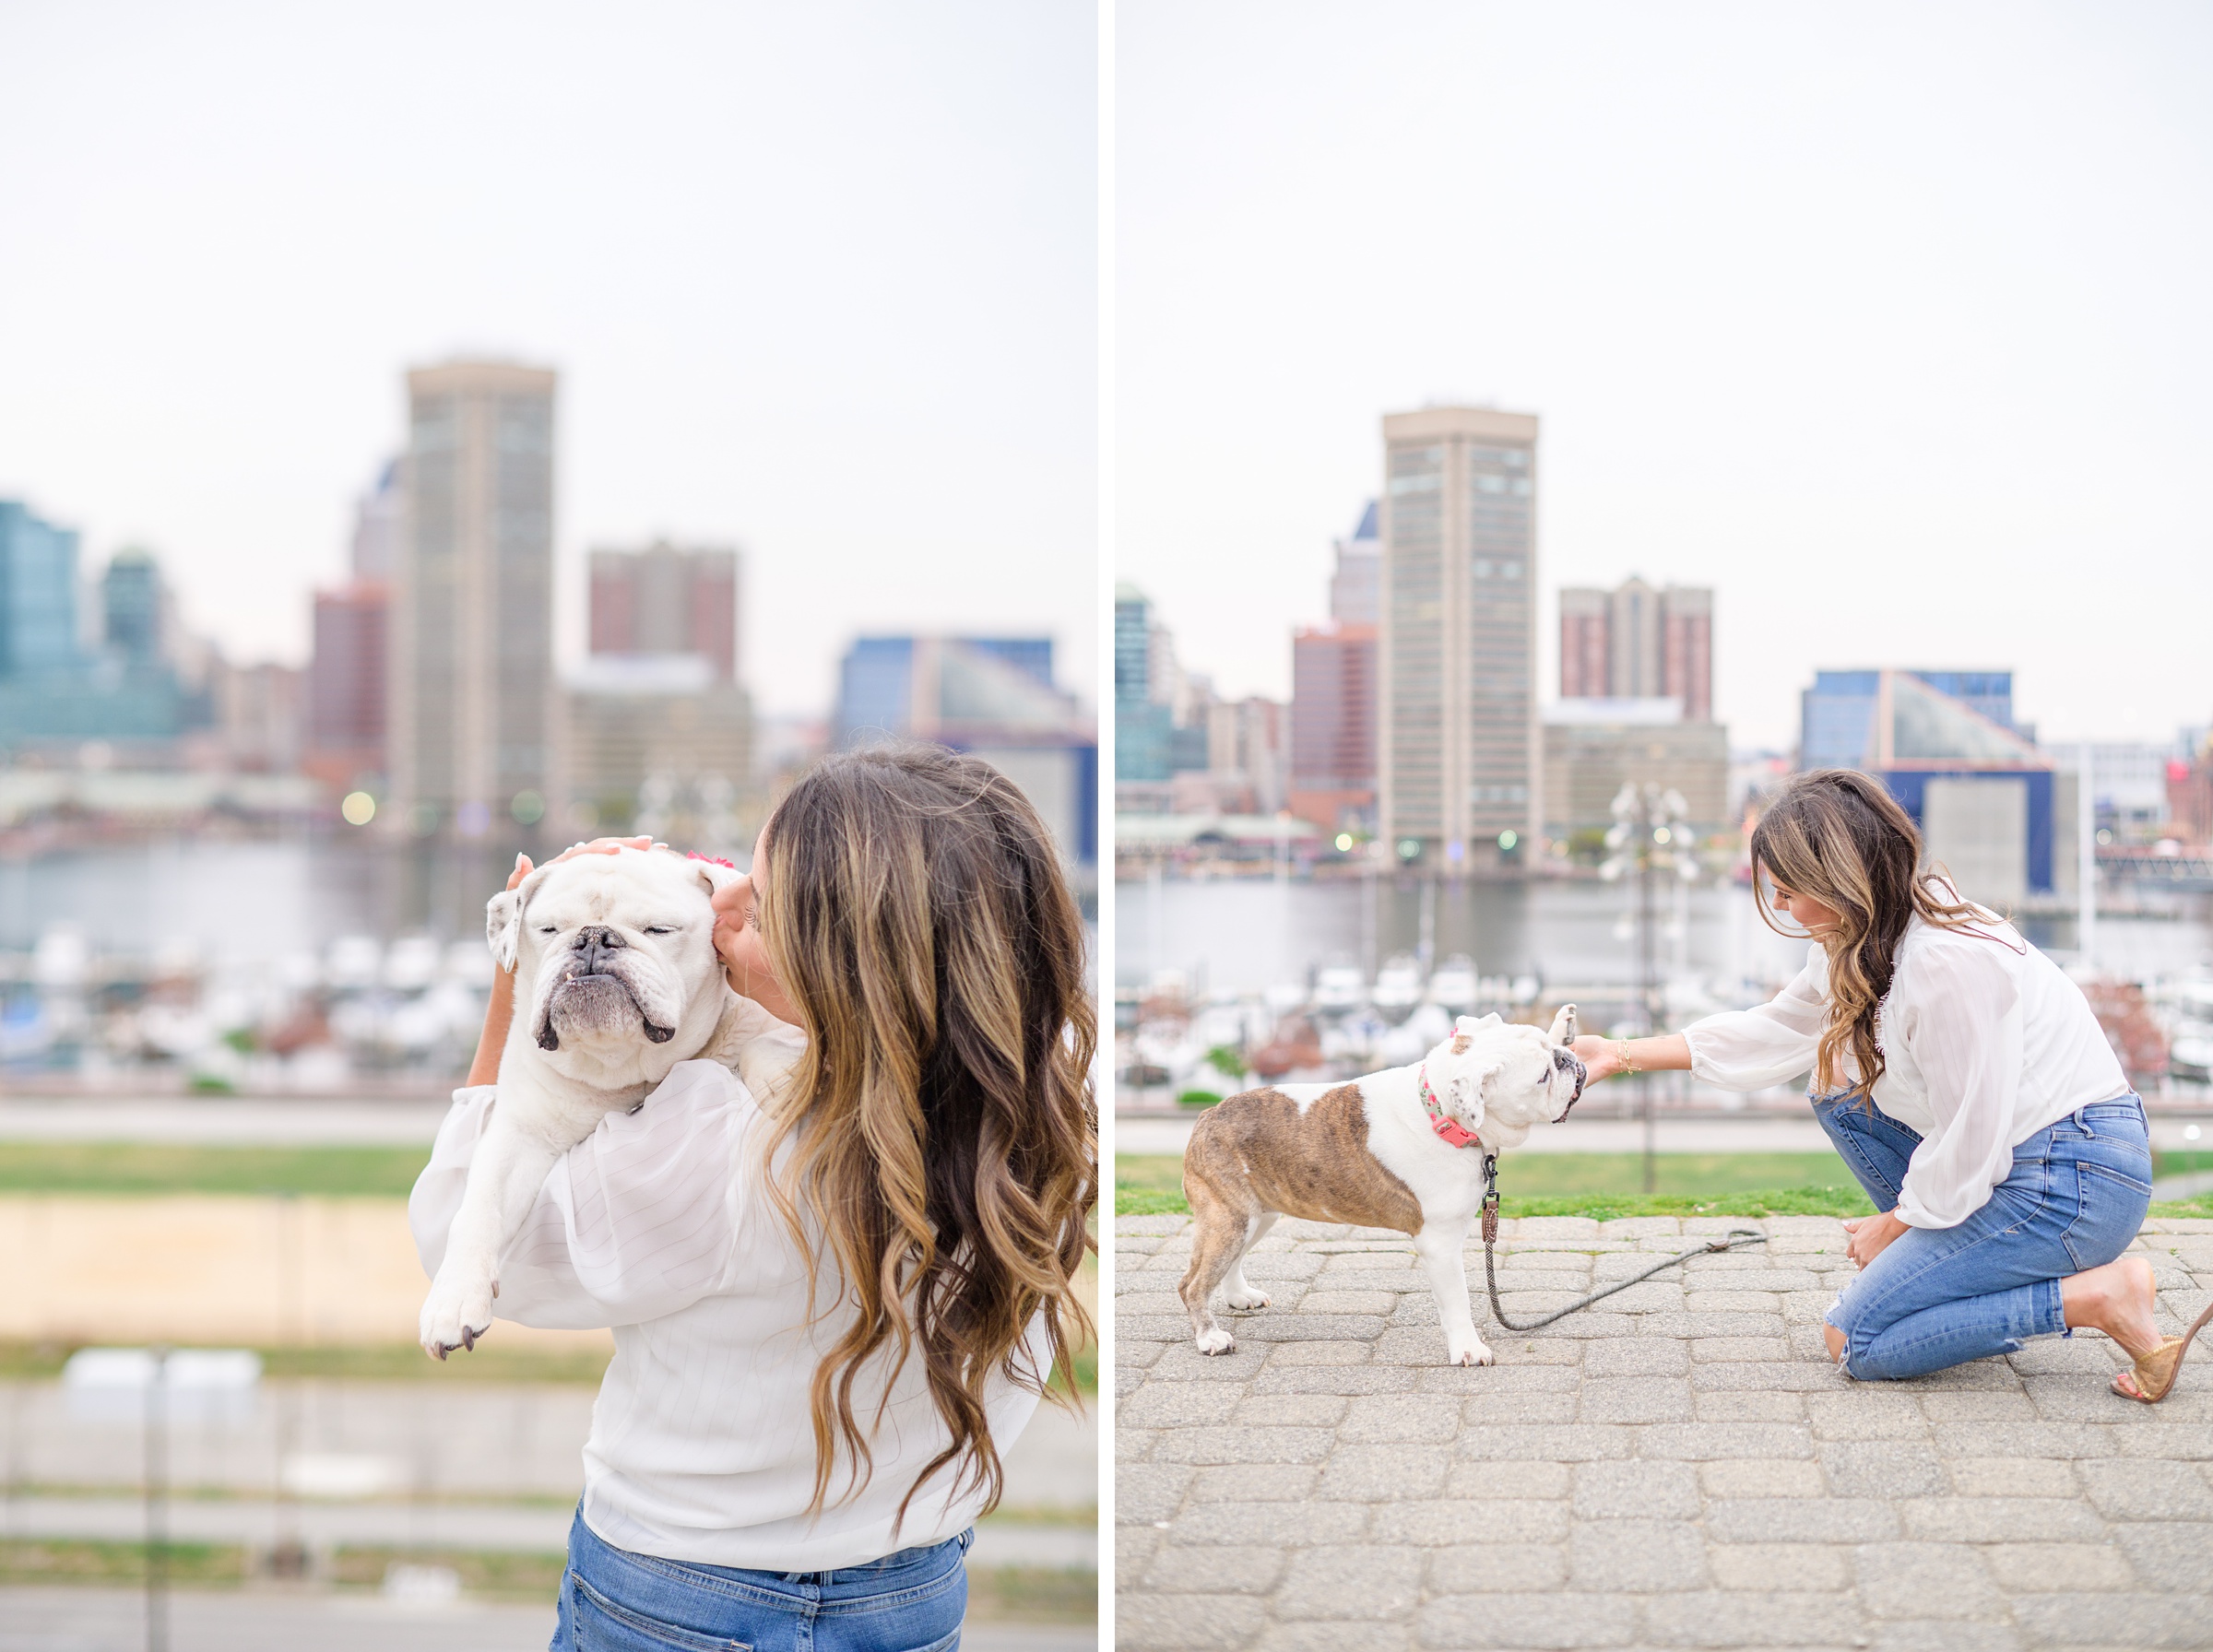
(664,600)
(1635,642)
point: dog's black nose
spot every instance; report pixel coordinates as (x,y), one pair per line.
(592,944)
(1566,1060)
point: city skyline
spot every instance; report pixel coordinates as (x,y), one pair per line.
(1817,338)
(731,330)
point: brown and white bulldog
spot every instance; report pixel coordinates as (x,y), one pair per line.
(1402,1148)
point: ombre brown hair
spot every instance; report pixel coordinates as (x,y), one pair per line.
(1838,837)
(942,1128)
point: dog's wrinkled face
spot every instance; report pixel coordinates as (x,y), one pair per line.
(615,952)
(1498,1080)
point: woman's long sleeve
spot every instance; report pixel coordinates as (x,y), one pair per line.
(1750,1049)
(1963,1025)
(634,1222)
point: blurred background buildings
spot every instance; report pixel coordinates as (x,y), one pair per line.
(1438,840)
(429,735)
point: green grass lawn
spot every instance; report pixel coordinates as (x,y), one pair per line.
(1609,1185)
(145,1167)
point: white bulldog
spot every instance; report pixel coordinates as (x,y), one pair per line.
(1401,1149)
(616,981)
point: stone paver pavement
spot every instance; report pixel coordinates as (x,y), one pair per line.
(1679,1466)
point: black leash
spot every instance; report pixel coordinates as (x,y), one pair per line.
(1490,1266)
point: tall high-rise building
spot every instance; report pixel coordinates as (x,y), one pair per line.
(131,604)
(379,519)
(1635,642)
(666,600)
(1333,726)
(1586,666)
(51,688)
(347,686)
(38,593)
(1357,582)
(471,727)
(1459,761)
(1144,723)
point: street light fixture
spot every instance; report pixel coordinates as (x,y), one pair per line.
(1649,839)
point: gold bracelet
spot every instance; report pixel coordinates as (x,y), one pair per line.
(1629,1068)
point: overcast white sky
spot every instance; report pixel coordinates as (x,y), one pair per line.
(820,279)
(1889,322)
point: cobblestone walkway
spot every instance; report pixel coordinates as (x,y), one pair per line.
(1678,1467)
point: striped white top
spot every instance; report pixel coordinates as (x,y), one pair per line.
(702,1448)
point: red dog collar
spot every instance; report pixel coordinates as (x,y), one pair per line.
(1450,1132)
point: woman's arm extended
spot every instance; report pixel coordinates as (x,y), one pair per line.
(1604,1057)
(1741,1049)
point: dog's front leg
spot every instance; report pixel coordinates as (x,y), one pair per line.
(1439,1249)
(503,1178)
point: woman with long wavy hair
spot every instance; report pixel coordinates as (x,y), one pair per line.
(835,1305)
(1965,1082)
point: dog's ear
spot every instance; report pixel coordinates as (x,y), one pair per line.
(1471,1090)
(1467,1026)
(714,876)
(503,919)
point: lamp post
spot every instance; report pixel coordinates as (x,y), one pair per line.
(156,1502)
(160,1388)
(1649,840)
(2085,862)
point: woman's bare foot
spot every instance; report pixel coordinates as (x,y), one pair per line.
(2118,1300)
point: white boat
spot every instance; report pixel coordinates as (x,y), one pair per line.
(2191,1053)
(1453,985)
(1338,988)
(1398,986)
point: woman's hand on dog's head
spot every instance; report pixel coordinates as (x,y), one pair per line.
(602,845)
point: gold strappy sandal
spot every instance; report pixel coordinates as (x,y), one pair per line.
(2155,1372)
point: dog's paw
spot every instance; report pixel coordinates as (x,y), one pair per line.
(1216,1340)
(454,1315)
(1248,1298)
(1470,1351)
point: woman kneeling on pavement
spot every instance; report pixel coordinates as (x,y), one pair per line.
(1965,1083)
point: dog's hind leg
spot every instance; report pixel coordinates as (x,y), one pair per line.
(1239,1294)
(1439,1249)
(1218,1238)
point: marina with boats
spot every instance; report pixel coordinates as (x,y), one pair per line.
(1225,983)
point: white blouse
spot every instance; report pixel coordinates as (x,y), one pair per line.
(702,1448)
(1984,1044)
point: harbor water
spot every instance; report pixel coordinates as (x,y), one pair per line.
(1236,936)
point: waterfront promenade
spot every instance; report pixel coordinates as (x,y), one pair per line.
(1678,1467)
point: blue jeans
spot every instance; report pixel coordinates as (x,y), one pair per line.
(1937,1297)
(612,1600)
